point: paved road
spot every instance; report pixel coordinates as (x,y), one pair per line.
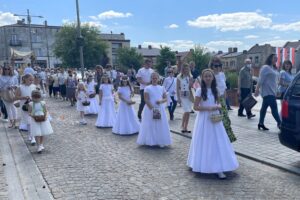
(83,162)
(3,183)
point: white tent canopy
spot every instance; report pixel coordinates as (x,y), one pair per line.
(20,54)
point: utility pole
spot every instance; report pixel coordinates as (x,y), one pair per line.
(47,45)
(80,41)
(29,29)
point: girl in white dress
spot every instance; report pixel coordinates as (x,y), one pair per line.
(39,129)
(81,96)
(185,95)
(107,113)
(93,108)
(154,126)
(210,149)
(126,121)
(23,94)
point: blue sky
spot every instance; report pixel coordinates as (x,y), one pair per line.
(215,24)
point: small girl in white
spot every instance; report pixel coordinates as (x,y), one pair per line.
(126,121)
(210,149)
(23,93)
(107,113)
(39,129)
(93,108)
(81,97)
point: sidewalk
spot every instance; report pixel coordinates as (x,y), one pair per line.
(19,176)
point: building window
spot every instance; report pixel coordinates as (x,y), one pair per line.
(38,52)
(256,59)
(14,37)
(115,47)
(36,38)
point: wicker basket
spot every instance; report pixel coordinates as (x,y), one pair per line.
(216,117)
(39,118)
(86,103)
(92,95)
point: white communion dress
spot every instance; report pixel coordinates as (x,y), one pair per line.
(154,131)
(210,149)
(93,108)
(107,113)
(39,128)
(26,90)
(126,121)
(81,97)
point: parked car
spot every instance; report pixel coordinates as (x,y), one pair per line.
(290,112)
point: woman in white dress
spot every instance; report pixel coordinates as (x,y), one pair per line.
(39,129)
(126,121)
(23,94)
(185,95)
(107,113)
(210,149)
(93,108)
(154,126)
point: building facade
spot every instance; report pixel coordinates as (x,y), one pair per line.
(16,38)
(114,42)
(233,60)
(149,53)
(258,54)
(292,50)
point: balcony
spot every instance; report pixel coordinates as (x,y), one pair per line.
(15,43)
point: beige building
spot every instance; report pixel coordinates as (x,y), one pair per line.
(114,41)
(15,38)
(149,53)
(233,60)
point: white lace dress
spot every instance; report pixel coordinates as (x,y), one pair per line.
(126,121)
(154,131)
(39,128)
(93,108)
(210,149)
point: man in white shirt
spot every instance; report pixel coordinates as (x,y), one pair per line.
(29,70)
(144,78)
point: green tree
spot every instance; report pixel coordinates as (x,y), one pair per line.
(201,57)
(165,55)
(128,57)
(66,46)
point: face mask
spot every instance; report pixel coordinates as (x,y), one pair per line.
(249,65)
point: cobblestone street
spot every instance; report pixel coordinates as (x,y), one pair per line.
(83,162)
(3,186)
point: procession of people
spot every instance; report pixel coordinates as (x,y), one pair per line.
(24,95)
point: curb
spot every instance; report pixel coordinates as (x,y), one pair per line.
(27,177)
(266,161)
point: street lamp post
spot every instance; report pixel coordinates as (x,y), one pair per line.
(80,40)
(29,28)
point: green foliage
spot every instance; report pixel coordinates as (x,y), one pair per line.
(165,55)
(128,57)
(232,78)
(201,57)
(66,46)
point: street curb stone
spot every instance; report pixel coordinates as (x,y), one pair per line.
(32,183)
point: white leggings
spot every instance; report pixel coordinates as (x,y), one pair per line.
(11,110)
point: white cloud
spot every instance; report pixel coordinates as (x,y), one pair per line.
(7,18)
(175,45)
(251,36)
(172,26)
(295,26)
(232,21)
(276,37)
(111,15)
(277,43)
(95,24)
(223,45)
(66,21)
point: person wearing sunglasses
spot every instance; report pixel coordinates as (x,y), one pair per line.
(8,83)
(216,66)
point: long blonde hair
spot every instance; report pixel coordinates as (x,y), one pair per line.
(185,65)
